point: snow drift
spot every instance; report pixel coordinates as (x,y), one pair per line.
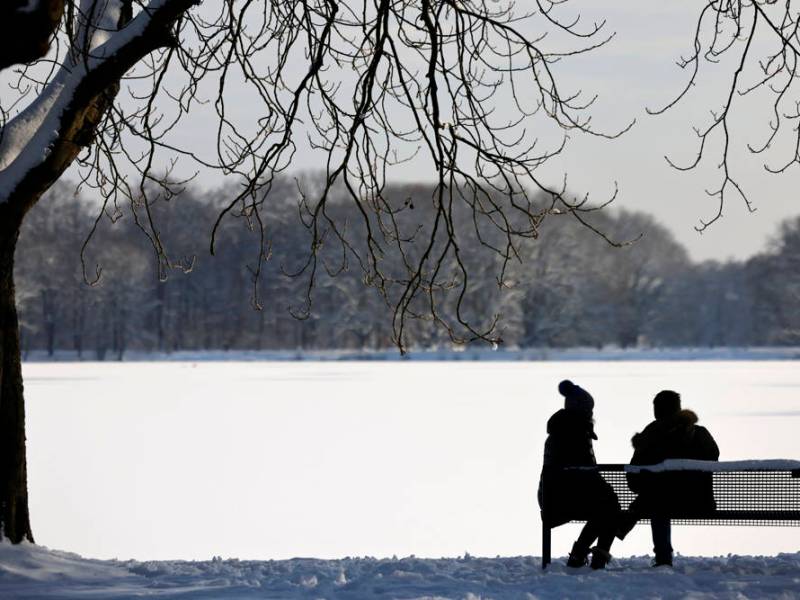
(28,572)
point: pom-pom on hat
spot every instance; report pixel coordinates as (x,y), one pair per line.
(575,397)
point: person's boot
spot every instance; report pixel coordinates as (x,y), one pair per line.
(578,557)
(662,559)
(600,558)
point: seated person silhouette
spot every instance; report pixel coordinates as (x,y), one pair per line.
(674,434)
(571,492)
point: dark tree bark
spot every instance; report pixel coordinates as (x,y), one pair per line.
(90,101)
(14,517)
(26,35)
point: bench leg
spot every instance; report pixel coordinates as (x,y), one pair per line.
(545,546)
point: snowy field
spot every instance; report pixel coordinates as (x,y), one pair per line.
(218,461)
(28,573)
(252,460)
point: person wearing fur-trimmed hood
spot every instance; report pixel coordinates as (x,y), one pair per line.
(675,434)
(570,492)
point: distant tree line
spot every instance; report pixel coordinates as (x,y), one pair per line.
(567,288)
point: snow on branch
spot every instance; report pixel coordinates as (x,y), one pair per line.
(105,53)
(98,20)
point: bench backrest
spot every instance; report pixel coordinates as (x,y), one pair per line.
(757,496)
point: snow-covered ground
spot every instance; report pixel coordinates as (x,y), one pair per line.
(274,460)
(278,460)
(29,572)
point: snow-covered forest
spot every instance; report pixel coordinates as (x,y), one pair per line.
(569,288)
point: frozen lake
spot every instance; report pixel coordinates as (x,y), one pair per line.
(280,459)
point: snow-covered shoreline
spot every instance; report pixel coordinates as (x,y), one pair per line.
(28,572)
(471,353)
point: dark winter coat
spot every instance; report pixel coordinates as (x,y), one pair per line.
(573,494)
(569,439)
(675,493)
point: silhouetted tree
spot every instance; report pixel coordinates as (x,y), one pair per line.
(371,85)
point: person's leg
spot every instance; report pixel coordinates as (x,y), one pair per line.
(580,549)
(601,554)
(606,538)
(662,540)
(588,534)
(627,520)
(608,520)
(603,506)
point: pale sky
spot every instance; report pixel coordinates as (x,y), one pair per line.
(636,70)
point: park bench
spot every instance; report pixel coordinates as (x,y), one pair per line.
(753,492)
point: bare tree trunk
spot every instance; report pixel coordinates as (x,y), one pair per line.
(25,34)
(78,318)
(49,319)
(161,312)
(14,517)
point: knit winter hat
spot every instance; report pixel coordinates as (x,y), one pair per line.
(666,403)
(575,397)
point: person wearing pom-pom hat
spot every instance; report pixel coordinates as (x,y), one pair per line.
(570,432)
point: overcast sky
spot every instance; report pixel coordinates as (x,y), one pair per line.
(637,69)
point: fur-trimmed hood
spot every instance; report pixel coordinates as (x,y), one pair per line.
(678,436)
(682,421)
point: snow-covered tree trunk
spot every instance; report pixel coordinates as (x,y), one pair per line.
(14,518)
(36,147)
